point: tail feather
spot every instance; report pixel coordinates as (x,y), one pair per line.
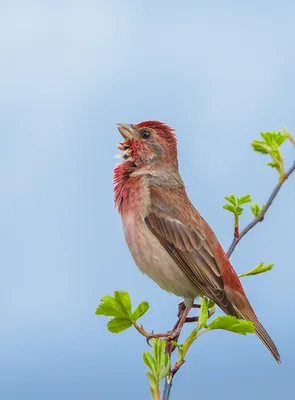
(262,334)
(266,339)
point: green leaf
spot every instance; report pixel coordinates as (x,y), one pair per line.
(239,210)
(261,147)
(158,352)
(268,137)
(232,199)
(104,309)
(120,307)
(280,140)
(123,298)
(111,307)
(271,145)
(230,208)
(232,324)
(150,362)
(203,316)
(140,310)
(166,366)
(274,164)
(274,138)
(276,153)
(117,325)
(159,356)
(159,365)
(189,341)
(179,347)
(244,199)
(211,304)
(255,209)
(153,385)
(258,270)
(152,379)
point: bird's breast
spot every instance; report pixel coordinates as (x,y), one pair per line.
(153,259)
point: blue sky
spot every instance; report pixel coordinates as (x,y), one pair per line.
(219,73)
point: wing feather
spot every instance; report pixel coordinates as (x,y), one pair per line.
(191,250)
(192,253)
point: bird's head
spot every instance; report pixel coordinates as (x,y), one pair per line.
(148,145)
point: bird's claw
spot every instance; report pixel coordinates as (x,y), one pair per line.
(181,308)
(149,337)
(168,336)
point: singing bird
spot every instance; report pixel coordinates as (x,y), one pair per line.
(167,237)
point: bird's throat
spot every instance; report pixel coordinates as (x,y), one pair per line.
(128,189)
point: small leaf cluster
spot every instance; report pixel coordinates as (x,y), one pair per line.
(258,270)
(119,307)
(256,210)
(235,203)
(271,145)
(271,142)
(234,206)
(158,363)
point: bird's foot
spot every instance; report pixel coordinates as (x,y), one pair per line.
(191,319)
(168,336)
(181,308)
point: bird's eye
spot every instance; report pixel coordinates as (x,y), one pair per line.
(145,134)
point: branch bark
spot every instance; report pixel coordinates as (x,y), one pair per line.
(236,240)
(260,217)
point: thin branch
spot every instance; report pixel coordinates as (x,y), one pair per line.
(236,227)
(168,386)
(236,240)
(180,362)
(260,217)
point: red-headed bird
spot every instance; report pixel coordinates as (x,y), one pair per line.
(167,237)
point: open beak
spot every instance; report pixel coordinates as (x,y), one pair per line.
(126,130)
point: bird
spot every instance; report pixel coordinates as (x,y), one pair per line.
(167,237)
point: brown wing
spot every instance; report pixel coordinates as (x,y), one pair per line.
(191,251)
(186,242)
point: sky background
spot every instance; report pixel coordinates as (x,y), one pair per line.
(219,72)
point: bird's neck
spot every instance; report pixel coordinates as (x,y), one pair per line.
(132,186)
(128,189)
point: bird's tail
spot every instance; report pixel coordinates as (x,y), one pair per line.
(261,333)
